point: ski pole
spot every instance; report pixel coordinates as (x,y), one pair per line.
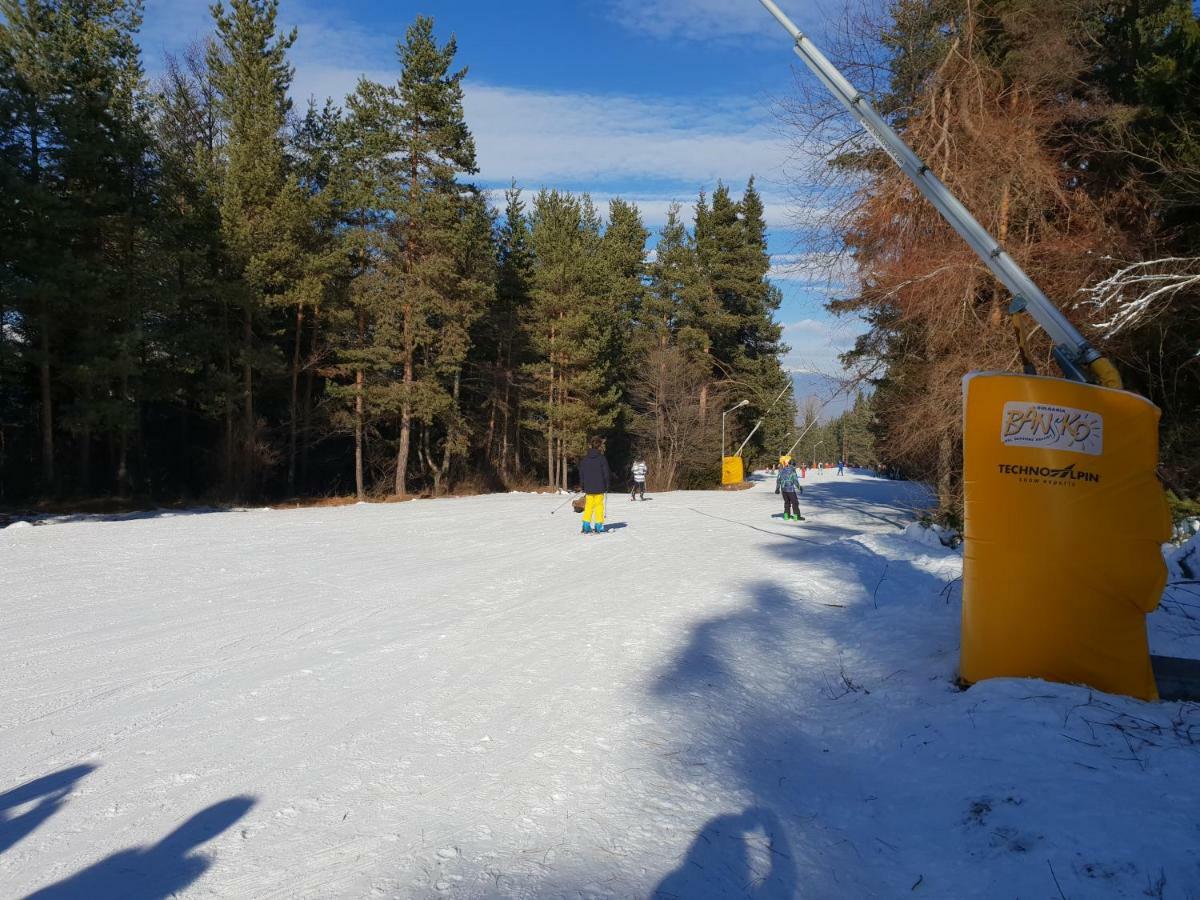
(564,503)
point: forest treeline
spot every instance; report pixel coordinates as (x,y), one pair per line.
(205,293)
(1071,130)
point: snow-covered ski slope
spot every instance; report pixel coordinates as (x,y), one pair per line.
(467,698)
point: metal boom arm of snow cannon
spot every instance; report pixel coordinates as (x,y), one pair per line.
(792,449)
(1077,358)
(758,425)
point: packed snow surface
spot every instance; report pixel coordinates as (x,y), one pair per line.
(467,698)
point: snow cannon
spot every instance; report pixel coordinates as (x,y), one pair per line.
(1064,513)
(733,470)
(1064,525)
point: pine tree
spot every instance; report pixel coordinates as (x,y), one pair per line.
(36,284)
(193,371)
(736,308)
(673,276)
(365,177)
(757,362)
(670,369)
(251,74)
(572,396)
(623,258)
(75,154)
(501,343)
(473,291)
(321,270)
(429,205)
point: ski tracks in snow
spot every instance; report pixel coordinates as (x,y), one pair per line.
(468,698)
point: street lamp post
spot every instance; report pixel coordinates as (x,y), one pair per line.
(723,415)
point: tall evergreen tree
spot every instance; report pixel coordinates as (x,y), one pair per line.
(322,269)
(501,343)
(736,310)
(31,93)
(251,74)
(429,205)
(75,158)
(191,333)
(365,176)
(572,397)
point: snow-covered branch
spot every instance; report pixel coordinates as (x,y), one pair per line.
(1139,292)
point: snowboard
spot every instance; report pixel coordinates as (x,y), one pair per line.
(782,521)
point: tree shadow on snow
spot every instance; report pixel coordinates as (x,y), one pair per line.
(155,872)
(749,723)
(74,518)
(889,502)
(50,793)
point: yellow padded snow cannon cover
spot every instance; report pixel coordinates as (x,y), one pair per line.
(1064,525)
(733,471)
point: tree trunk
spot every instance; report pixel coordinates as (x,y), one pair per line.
(402,452)
(359,415)
(309,379)
(505,416)
(491,442)
(228,372)
(516,424)
(294,402)
(405,410)
(945,484)
(48,475)
(359,488)
(85,452)
(248,462)
(512,411)
(550,469)
(124,487)
(444,470)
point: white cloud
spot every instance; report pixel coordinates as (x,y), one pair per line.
(547,137)
(653,150)
(713,20)
(817,343)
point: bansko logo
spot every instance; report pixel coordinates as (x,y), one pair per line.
(1046,427)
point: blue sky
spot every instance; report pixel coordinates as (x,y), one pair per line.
(651,100)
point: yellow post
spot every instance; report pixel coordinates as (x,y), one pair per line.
(1064,523)
(732,470)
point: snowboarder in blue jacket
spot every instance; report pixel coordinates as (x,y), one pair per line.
(788,483)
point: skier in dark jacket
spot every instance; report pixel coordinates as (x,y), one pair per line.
(595,477)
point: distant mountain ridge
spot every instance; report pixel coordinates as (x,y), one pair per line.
(822,388)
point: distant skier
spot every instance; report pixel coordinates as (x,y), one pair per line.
(639,479)
(789,485)
(595,477)
(841,467)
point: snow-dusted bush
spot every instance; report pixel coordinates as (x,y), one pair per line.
(1183,563)
(932,535)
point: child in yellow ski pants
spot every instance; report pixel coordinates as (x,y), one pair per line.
(593,512)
